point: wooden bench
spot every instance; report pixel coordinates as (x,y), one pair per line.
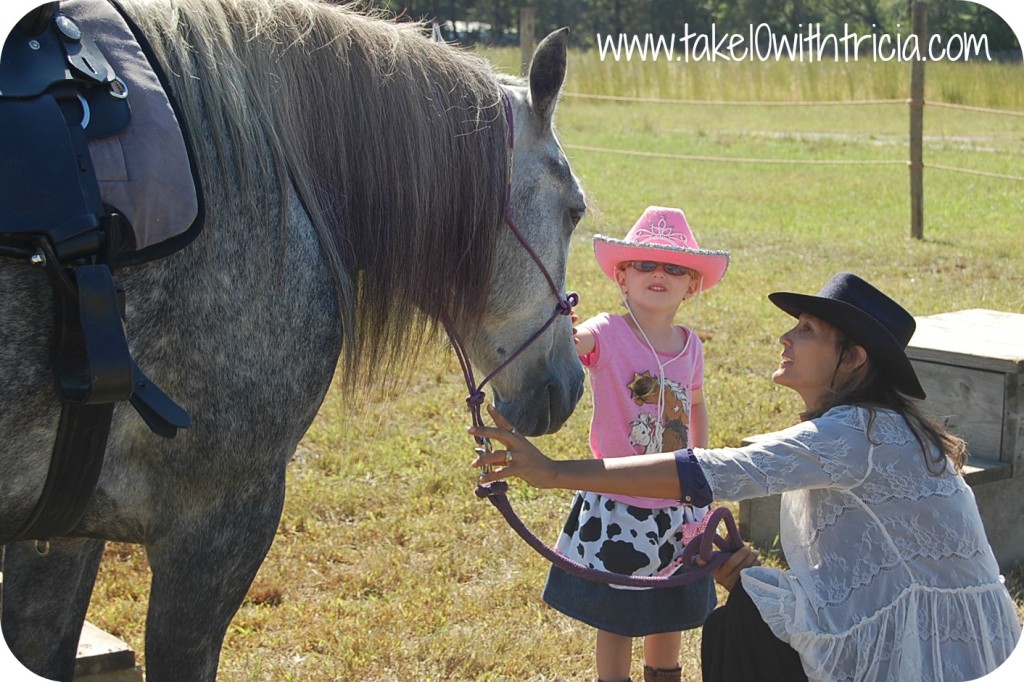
(104,658)
(971,365)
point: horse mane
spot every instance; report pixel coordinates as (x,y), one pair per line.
(395,145)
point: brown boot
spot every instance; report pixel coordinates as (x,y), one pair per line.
(662,674)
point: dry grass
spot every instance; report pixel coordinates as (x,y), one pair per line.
(386,567)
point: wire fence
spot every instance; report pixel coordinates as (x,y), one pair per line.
(737,103)
(804,162)
(735,159)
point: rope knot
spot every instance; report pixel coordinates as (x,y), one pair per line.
(572,299)
(491,489)
(475,399)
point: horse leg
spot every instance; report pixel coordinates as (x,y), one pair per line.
(44,602)
(202,570)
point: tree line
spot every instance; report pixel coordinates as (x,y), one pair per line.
(496,21)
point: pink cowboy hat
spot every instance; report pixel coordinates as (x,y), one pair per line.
(661,235)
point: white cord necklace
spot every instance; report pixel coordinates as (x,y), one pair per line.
(657,359)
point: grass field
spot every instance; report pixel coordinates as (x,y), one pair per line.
(386,567)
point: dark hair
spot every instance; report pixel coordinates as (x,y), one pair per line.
(872,389)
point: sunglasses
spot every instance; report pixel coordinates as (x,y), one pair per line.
(669,268)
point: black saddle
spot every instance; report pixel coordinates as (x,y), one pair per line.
(58,91)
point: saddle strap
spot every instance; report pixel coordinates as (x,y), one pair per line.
(94,370)
(163,416)
(74,471)
(91,352)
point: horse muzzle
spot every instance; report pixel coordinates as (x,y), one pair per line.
(546,408)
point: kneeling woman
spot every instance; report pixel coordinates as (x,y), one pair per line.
(891,576)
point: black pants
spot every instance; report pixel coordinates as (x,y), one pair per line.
(738,646)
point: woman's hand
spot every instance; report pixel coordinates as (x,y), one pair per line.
(645,475)
(519,458)
(728,573)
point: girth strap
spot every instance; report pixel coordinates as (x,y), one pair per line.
(74,468)
(93,371)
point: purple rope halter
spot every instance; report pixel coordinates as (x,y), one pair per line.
(564,307)
(700,548)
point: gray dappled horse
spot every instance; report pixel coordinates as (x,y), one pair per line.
(355,180)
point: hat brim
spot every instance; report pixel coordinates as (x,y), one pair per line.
(865,330)
(610,252)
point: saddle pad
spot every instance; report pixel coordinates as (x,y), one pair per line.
(143,171)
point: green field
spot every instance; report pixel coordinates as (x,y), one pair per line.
(386,567)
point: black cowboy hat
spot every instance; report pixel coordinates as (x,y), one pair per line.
(868,317)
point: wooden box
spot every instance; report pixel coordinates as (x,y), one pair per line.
(971,365)
(104,658)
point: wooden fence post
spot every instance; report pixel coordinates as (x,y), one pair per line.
(527,22)
(919,19)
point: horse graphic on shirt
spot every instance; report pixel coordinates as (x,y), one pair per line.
(645,431)
(672,433)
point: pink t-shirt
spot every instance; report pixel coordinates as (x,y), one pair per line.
(624,381)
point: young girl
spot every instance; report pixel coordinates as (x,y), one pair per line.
(646,374)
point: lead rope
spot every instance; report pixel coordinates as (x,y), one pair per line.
(700,548)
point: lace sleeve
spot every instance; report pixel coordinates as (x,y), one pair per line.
(829,452)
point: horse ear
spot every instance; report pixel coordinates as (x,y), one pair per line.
(547,73)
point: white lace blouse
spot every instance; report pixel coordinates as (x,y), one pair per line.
(891,576)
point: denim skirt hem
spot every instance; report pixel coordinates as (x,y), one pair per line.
(630,613)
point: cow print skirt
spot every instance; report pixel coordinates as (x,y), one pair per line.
(608,535)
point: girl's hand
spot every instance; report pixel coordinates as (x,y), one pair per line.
(584,341)
(519,458)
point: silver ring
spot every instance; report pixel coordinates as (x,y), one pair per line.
(508,458)
(86,112)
